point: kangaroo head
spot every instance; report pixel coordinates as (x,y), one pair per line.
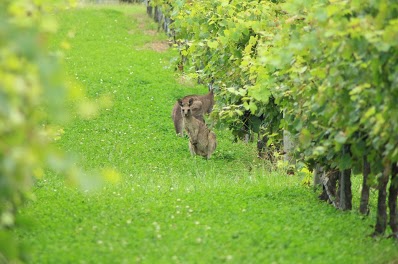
(186,107)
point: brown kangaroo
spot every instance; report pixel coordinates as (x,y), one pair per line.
(203,104)
(202,141)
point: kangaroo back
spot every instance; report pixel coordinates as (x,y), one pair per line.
(207,101)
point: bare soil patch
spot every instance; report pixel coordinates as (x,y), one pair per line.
(159,46)
(143,21)
(186,80)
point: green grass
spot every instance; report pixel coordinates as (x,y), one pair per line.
(169,207)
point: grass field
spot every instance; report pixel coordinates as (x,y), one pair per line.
(168,207)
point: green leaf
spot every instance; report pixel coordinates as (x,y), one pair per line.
(305,137)
(340,138)
(370,112)
(212,44)
(239,112)
(252,107)
(259,93)
(345,162)
(359,89)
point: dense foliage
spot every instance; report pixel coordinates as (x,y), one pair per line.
(329,66)
(33,99)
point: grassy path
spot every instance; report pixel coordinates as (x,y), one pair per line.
(169,207)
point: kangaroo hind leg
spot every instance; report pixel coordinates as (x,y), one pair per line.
(212,144)
(192,148)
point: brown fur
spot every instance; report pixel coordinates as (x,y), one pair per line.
(202,141)
(203,104)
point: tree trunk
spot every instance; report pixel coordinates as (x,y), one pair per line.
(364,205)
(381,219)
(392,200)
(332,185)
(157,15)
(317,174)
(329,183)
(288,147)
(149,8)
(345,194)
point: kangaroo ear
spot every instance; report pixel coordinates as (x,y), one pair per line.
(179,102)
(190,102)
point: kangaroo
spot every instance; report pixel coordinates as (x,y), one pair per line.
(203,104)
(202,141)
